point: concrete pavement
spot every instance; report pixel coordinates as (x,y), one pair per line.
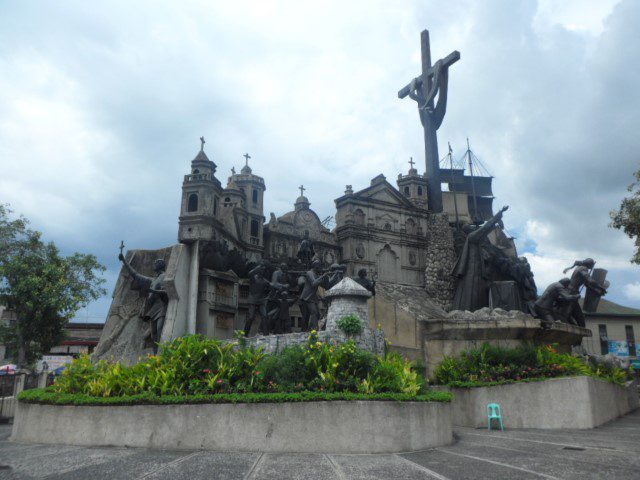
(611,451)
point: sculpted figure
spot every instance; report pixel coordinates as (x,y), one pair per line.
(154,309)
(305,250)
(580,277)
(258,291)
(279,319)
(309,297)
(472,283)
(362,280)
(548,305)
(337,274)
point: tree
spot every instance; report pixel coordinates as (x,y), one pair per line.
(42,287)
(627,218)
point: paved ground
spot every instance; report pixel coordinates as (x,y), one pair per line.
(609,452)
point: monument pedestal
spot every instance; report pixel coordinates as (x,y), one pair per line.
(461,331)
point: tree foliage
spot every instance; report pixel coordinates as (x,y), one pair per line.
(44,288)
(627,217)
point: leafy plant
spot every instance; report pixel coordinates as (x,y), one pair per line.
(351,324)
(492,365)
(194,365)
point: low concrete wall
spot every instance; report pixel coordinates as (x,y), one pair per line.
(7,407)
(313,427)
(575,402)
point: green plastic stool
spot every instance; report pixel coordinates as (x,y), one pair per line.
(494,411)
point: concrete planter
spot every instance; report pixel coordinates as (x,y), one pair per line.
(312,427)
(574,402)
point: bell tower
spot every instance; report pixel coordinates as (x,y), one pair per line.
(414,186)
(200,205)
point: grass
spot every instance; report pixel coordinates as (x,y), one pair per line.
(48,397)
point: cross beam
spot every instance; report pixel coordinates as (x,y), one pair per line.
(447,61)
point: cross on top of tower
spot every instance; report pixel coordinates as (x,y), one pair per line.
(302,189)
(246,159)
(202,142)
(411,162)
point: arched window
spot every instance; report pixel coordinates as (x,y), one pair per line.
(227,200)
(406,191)
(419,190)
(410,225)
(215,206)
(359,217)
(192,203)
(254,196)
(255,228)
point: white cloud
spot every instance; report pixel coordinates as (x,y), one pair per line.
(632,291)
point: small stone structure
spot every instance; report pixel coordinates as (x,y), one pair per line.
(347,298)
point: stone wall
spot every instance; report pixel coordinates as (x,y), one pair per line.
(370,339)
(570,402)
(440,260)
(313,427)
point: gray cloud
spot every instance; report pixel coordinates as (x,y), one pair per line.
(101,109)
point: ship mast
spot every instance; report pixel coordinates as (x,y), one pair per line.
(455,199)
(473,186)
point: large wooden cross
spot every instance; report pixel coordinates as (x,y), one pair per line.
(423,89)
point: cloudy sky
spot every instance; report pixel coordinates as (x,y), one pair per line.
(102,104)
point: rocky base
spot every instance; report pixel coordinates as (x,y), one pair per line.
(370,339)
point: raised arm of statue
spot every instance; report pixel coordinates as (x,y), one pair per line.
(255,270)
(142,280)
(489,225)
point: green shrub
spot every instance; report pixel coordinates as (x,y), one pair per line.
(51,397)
(490,365)
(351,324)
(194,365)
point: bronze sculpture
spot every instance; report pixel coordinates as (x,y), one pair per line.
(548,306)
(305,250)
(580,277)
(258,293)
(154,309)
(472,282)
(362,280)
(309,296)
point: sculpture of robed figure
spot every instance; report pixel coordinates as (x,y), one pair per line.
(472,283)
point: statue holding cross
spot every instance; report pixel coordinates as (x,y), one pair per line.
(423,89)
(202,142)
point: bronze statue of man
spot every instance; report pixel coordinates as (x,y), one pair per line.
(154,309)
(362,280)
(555,296)
(309,296)
(305,250)
(258,292)
(472,283)
(580,277)
(279,319)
